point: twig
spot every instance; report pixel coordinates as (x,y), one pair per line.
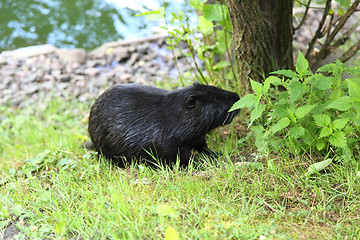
(226,44)
(304,16)
(351,52)
(346,36)
(318,33)
(272,209)
(193,57)
(342,20)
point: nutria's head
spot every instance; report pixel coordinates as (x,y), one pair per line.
(206,107)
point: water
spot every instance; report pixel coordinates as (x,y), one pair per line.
(78,23)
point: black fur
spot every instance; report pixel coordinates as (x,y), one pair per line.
(133,120)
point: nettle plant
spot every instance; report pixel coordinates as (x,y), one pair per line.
(310,112)
(207,43)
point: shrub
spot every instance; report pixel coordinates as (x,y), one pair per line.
(312,112)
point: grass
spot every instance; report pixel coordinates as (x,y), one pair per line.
(52,188)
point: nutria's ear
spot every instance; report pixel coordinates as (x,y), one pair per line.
(196,83)
(191,101)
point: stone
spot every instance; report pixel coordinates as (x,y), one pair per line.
(64,77)
(91,71)
(132,59)
(31,89)
(72,55)
(143,48)
(26,52)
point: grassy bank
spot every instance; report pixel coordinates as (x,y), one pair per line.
(51,187)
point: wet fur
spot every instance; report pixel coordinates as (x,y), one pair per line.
(132,121)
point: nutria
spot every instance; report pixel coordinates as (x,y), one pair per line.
(139,122)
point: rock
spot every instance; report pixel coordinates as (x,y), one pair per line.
(143,48)
(72,55)
(32,77)
(91,71)
(101,81)
(26,52)
(64,77)
(31,88)
(120,54)
(133,59)
(124,78)
(96,63)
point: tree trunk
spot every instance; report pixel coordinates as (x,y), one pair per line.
(262,36)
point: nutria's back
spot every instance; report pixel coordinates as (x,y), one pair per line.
(138,121)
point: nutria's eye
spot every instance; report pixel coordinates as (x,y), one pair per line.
(191,101)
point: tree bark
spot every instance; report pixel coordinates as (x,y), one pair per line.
(262,36)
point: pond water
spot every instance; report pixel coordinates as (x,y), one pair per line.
(78,23)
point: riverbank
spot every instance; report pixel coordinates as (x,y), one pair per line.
(37,73)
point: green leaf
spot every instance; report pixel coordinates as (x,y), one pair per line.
(286,73)
(222,64)
(320,144)
(317,167)
(221,43)
(338,139)
(197,4)
(171,234)
(325,131)
(297,132)
(327,68)
(227,25)
(342,104)
(296,90)
(302,111)
(247,101)
(256,113)
(302,64)
(357,175)
(322,120)
(212,12)
(153,15)
(354,90)
(281,124)
(340,123)
(336,94)
(322,82)
(271,80)
(345,3)
(205,26)
(257,87)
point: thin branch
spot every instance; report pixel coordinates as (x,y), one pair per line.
(226,44)
(346,36)
(342,20)
(350,53)
(193,57)
(304,16)
(318,33)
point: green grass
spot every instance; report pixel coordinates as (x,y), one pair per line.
(52,188)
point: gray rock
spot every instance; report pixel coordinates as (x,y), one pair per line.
(132,59)
(143,48)
(91,71)
(31,89)
(26,52)
(64,77)
(72,55)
